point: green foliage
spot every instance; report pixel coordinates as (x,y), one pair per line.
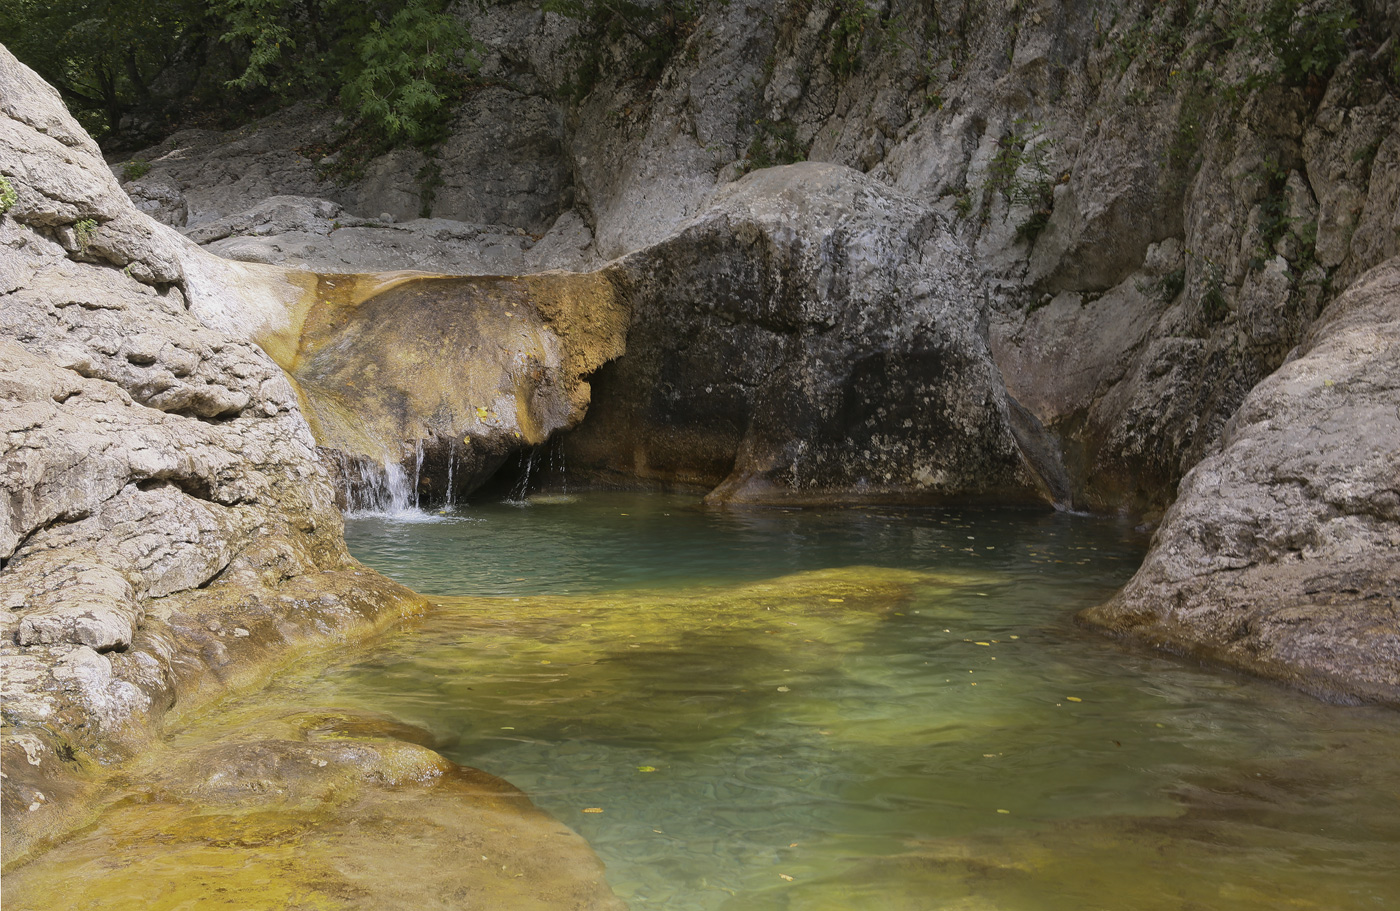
(405,69)
(963,204)
(83,231)
(102,55)
(429,179)
(395,65)
(135,169)
(853,19)
(1214,306)
(8,197)
(774,143)
(1273,209)
(1020,172)
(1308,38)
(1023,147)
(1167,287)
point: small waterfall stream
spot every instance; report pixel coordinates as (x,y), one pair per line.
(381,489)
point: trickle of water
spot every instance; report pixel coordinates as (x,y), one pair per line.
(450,499)
(417,471)
(382,490)
(557,465)
(522,486)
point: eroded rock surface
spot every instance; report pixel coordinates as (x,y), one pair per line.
(165,527)
(437,379)
(812,336)
(1279,556)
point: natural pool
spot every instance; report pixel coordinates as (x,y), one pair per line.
(784,709)
(868,708)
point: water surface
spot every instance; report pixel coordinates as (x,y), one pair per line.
(752,710)
(864,708)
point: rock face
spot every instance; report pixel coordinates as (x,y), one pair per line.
(166,529)
(1152,213)
(1279,555)
(813,336)
(1121,218)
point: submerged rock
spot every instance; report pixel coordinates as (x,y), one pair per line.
(316,822)
(1279,555)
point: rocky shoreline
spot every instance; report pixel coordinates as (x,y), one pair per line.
(876,324)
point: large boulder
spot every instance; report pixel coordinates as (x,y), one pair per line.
(813,336)
(430,382)
(1279,555)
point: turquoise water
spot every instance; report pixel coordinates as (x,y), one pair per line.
(771,709)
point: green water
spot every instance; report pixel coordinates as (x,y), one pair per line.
(759,710)
(853,709)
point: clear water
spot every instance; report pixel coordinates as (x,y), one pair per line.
(866,708)
(759,710)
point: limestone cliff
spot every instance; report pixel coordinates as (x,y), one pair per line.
(166,529)
(1154,205)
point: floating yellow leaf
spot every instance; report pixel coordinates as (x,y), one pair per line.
(784,877)
(837,600)
(1004,812)
(592,809)
(783,689)
(1073,699)
(982,643)
(646,768)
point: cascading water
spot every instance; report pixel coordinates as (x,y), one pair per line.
(381,489)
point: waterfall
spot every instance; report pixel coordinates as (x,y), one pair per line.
(381,489)
(558,470)
(417,472)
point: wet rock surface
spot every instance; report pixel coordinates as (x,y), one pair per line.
(436,380)
(1278,557)
(166,530)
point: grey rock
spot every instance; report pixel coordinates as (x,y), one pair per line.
(155,474)
(274,215)
(159,196)
(1278,556)
(814,336)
